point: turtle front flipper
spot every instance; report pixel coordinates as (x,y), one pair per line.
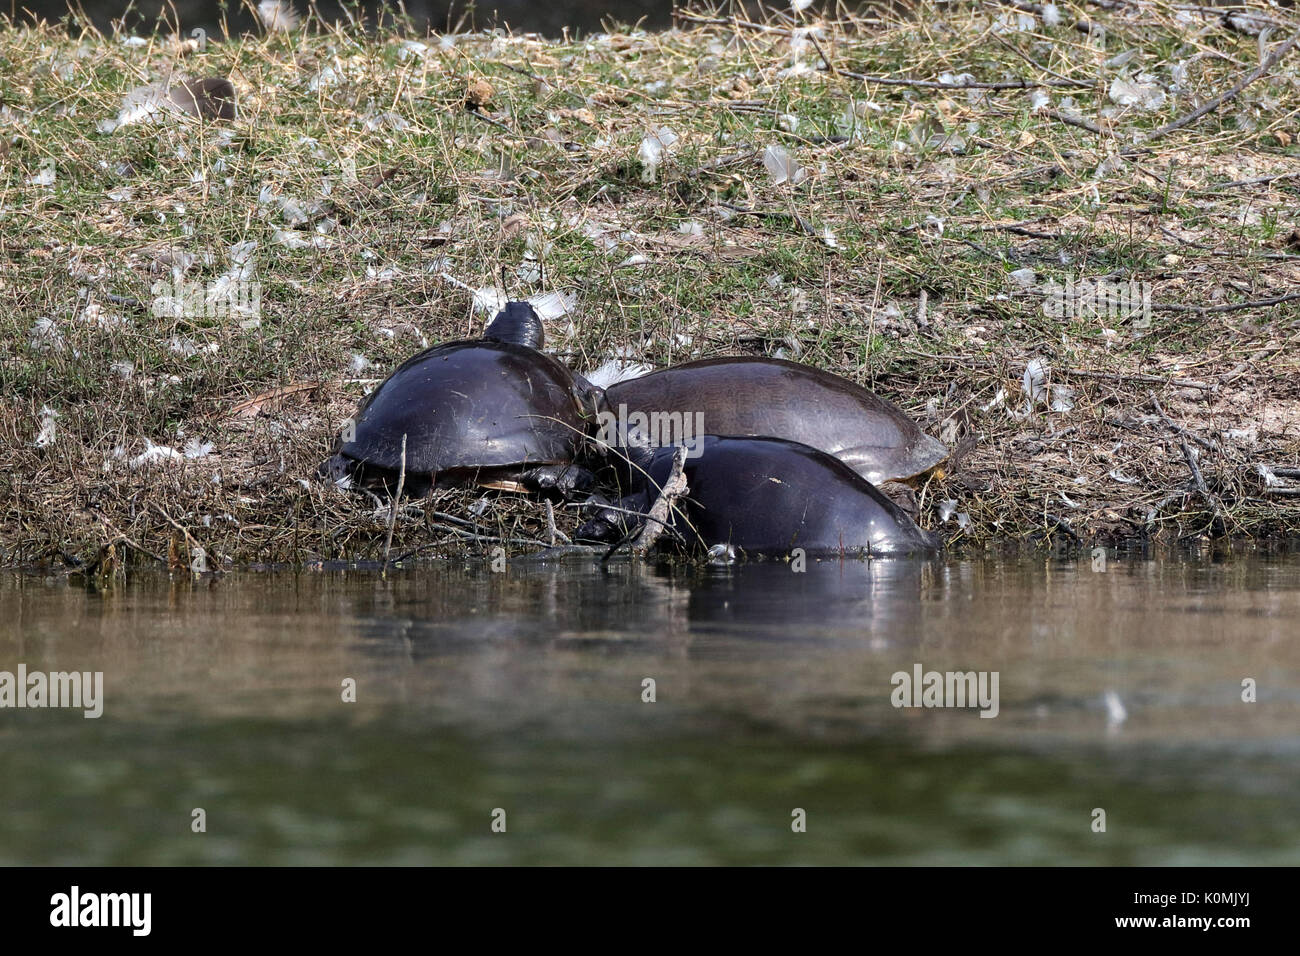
(612,523)
(560,482)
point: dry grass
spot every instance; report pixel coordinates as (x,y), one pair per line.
(890,263)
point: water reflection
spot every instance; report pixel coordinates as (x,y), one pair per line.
(772,690)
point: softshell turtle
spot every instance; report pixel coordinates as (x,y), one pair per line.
(494,412)
(764,497)
(750,395)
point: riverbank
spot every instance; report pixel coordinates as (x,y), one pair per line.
(859,197)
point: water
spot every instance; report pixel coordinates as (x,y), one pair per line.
(523,691)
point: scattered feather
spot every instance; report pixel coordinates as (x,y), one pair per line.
(1062,398)
(296,240)
(781,166)
(278,16)
(1142,92)
(1111,164)
(44,336)
(154,453)
(1270,479)
(49,430)
(999,399)
(553,305)
(616,370)
(209,98)
(1024,278)
(654,147)
(1034,382)
(490,299)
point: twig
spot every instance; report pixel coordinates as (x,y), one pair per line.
(1230,307)
(1025,56)
(1018,84)
(1269,62)
(1259,181)
(1077,121)
(799,220)
(552,531)
(488,119)
(730,22)
(1018,229)
(1211,499)
(723,161)
(189,538)
(1141,379)
(1205,443)
(822,53)
(392,515)
(657,517)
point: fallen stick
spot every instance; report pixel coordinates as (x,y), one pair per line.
(190,540)
(1257,181)
(1142,379)
(1269,62)
(1137,426)
(551,530)
(1201,487)
(657,518)
(978,362)
(1077,121)
(392,515)
(1019,84)
(729,22)
(1230,307)
(1244,366)
(797,219)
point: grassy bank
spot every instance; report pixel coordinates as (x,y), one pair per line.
(917,252)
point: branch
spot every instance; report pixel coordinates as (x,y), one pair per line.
(1269,62)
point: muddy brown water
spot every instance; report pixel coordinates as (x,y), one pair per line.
(1119,689)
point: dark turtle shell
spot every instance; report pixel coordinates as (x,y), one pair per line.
(768,496)
(750,395)
(471,405)
(492,411)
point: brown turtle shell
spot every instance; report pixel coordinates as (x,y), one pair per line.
(755,396)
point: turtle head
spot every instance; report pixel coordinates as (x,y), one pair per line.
(517,323)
